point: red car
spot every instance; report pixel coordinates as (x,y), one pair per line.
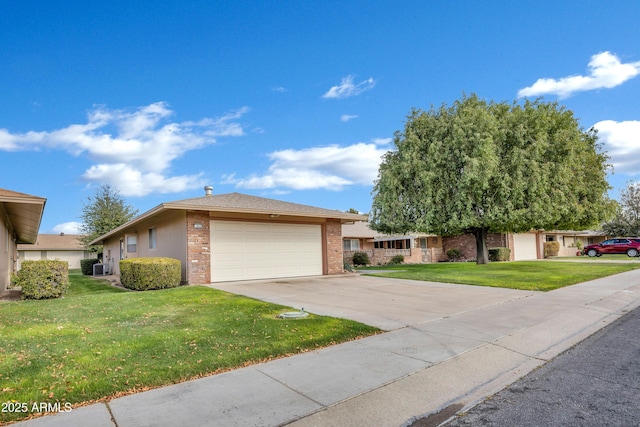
(625,245)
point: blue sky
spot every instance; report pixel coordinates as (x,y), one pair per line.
(294,100)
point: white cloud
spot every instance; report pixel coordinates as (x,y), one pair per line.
(71,227)
(330,167)
(622,142)
(605,71)
(347,117)
(132,149)
(382,141)
(348,88)
(134,182)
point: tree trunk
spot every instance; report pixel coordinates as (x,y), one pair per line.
(482,252)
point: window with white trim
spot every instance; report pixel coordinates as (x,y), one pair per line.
(350,244)
(152,238)
(132,244)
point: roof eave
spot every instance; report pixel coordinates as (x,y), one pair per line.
(100,240)
(344,217)
(26,227)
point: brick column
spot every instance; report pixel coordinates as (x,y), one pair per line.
(198,266)
(333,247)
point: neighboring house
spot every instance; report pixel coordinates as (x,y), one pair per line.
(63,247)
(568,239)
(20,217)
(381,248)
(528,246)
(233,236)
(423,248)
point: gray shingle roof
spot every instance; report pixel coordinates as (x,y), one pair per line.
(52,242)
(242,203)
(237,202)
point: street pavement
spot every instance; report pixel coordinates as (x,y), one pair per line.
(596,383)
(447,348)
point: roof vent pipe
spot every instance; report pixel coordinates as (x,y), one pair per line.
(208,190)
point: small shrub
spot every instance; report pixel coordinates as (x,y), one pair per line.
(86,265)
(454,254)
(348,267)
(42,279)
(551,249)
(142,274)
(397,260)
(360,258)
(499,254)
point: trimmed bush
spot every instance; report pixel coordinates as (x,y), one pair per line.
(42,279)
(360,258)
(142,274)
(551,249)
(454,254)
(86,265)
(499,254)
(396,260)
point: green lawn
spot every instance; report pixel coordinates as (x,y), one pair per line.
(100,341)
(524,275)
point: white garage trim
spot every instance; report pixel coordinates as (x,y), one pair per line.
(242,250)
(525,246)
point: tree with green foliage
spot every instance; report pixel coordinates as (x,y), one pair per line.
(480,167)
(627,219)
(103,212)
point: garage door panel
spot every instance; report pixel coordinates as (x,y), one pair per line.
(524,246)
(254,250)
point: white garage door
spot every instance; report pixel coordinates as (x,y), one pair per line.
(256,250)
(524,246)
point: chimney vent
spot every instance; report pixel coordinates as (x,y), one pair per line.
(208,190)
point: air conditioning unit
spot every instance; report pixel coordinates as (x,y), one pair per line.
(99,270)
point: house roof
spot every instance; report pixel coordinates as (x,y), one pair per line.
(54,242)
(361,230)
(24,213)
(240,203)
(581,233)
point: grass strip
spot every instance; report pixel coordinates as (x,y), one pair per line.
(522,275)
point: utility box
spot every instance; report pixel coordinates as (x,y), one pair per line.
(99,270)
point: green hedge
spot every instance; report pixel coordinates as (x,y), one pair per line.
(42,279)
(499,254)
(397,260)
(143,274)
(454,254)
(86,265)
(360,258)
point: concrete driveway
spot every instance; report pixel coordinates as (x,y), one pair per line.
(377,301)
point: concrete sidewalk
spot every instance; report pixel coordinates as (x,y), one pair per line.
(445,363)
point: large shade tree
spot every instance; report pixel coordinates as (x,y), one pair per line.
(627,219)
(480,167)
(103,212)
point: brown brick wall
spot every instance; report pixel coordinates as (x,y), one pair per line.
(466,243)
(333,247)
(198,248)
